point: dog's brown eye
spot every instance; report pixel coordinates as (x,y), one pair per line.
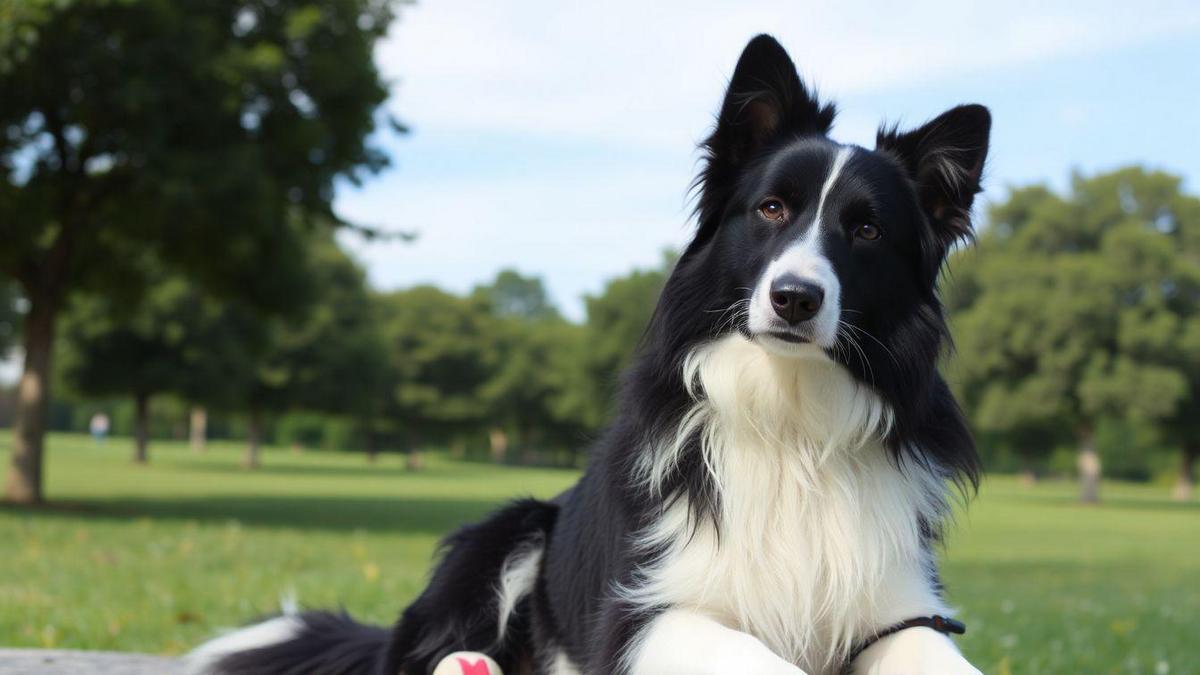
(867,231)
(773,210)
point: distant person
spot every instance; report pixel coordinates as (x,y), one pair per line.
(99,427)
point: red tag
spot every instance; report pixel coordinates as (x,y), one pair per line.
(480,667)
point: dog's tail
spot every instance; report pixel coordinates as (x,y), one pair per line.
(328,643)
(477,600)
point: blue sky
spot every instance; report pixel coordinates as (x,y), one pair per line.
(559,138)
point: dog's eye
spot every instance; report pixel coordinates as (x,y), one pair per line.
(773,210)
(867,231)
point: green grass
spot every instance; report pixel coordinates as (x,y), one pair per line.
(156,558)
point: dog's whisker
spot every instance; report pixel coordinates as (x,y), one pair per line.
(858,347)
(867,333)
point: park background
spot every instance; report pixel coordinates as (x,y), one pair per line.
(345,275)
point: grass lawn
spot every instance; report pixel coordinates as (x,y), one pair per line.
(156,558)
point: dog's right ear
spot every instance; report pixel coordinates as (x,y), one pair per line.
(765,98)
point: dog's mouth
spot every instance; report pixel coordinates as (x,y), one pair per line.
(793,337)
(783,341)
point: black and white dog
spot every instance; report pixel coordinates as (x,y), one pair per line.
(770,496)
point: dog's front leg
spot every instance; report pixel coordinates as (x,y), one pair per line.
(916,651)
(677,642)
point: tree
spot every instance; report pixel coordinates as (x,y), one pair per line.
(195,131)
(1179,219)
(529,372)
(517,296)
(109,350)
(331,359)
(616,320)
(441,356)
(223,339)
(1184,431)
(170,336)
(1070,309)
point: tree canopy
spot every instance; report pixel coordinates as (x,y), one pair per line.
(1079,307)
(200,133)
(616,320)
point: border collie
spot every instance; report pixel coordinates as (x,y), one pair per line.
(770,496)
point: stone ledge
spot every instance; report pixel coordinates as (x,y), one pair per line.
(71,662)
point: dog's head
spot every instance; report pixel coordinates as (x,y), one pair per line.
(814,249)
(810,247)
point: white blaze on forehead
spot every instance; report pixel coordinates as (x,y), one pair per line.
(806,260)
(811,239)
(839,161)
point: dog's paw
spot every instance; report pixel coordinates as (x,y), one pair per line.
(467,663)
(916,651)
(748,655)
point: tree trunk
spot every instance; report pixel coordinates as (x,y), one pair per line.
(141,429)
(1187,472)
(1029,474)
(499,444)
(198,429)
(24,482)
(412,451)
(254,439)
(372,447)
(1089,467)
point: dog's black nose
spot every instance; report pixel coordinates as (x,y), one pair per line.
(795,299)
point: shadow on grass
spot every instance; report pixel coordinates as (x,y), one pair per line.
(459,471)
(1111,501)
(334,514)
(319,470)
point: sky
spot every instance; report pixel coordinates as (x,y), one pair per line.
(559,138)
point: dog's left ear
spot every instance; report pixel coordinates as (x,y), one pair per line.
(765,98)
(945,158)
(766,101)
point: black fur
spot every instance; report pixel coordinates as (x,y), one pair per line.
(329,644)
(455,613)
(770,138)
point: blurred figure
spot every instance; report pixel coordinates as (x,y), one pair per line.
(99,427)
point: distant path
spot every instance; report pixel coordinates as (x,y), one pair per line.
(70,662)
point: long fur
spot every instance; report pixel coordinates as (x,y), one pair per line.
(777,484)
(813,513)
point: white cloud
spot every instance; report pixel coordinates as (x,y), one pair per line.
(645,76)
(574,229)
(652,72)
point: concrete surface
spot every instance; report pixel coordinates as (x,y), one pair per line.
(69,662)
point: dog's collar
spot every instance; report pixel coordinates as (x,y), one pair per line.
(942,624)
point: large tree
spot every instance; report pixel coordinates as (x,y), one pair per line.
(1179,219)
(194,130)
(1071,310)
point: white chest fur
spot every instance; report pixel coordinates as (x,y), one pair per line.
(819,539)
